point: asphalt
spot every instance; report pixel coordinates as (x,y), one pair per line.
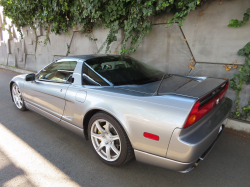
(35,151)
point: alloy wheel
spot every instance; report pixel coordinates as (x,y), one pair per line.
(17,96)
(106,140)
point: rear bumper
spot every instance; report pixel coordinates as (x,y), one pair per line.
(172,164)
(163,162)
(188,146)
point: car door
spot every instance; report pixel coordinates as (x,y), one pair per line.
(77,92)
(46,94)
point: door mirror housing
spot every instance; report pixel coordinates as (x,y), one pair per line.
(70,79)
(30,77)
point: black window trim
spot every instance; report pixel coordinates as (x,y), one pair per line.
(104,79)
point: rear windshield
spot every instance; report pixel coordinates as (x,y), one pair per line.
(121,70)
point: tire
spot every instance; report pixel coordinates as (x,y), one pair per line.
(109,140)
(17,97)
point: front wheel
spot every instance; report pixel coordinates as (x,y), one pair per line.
(109,140)
(17,97)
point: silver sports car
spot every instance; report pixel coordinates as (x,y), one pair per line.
(127,108)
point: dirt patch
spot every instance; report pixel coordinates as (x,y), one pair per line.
(240,133)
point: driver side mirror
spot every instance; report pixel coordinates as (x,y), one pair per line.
(30,77)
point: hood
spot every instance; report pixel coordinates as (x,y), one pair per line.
(177,84)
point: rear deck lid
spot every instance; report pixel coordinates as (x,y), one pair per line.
(188,86)
(177,84)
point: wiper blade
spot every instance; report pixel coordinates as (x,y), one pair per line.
(156,92)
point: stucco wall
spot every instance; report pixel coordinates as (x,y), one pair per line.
(209,41)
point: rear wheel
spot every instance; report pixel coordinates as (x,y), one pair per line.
(109,140)
(17,97)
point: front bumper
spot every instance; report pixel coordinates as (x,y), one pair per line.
(188,146)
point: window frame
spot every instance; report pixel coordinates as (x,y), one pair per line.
(104,79)
(53,81)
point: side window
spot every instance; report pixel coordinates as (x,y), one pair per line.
(89,77)
(58,71)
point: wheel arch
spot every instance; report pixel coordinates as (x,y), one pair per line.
(91,113)
(11,83)
(86,120)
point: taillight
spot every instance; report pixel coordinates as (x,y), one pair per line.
(198,111)
(193,115)
(223,92)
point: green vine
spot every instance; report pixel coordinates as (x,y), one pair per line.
(68,48)
(5,28)
(244,72)
(133,17)
(237,23)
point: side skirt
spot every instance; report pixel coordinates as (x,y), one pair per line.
(77,130)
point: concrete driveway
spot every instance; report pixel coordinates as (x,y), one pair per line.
(35,151)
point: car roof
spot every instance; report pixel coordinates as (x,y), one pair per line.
(85,57)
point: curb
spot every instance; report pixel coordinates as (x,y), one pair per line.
(233,124)
(238,125)
(23,71)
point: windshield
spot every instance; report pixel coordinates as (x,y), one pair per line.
(121,70)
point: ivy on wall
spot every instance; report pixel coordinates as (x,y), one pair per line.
(131,16)
(237,23)
(244,72)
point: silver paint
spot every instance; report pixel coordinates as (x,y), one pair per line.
(136,110)
(162,162)
(81,96)
(189,144)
